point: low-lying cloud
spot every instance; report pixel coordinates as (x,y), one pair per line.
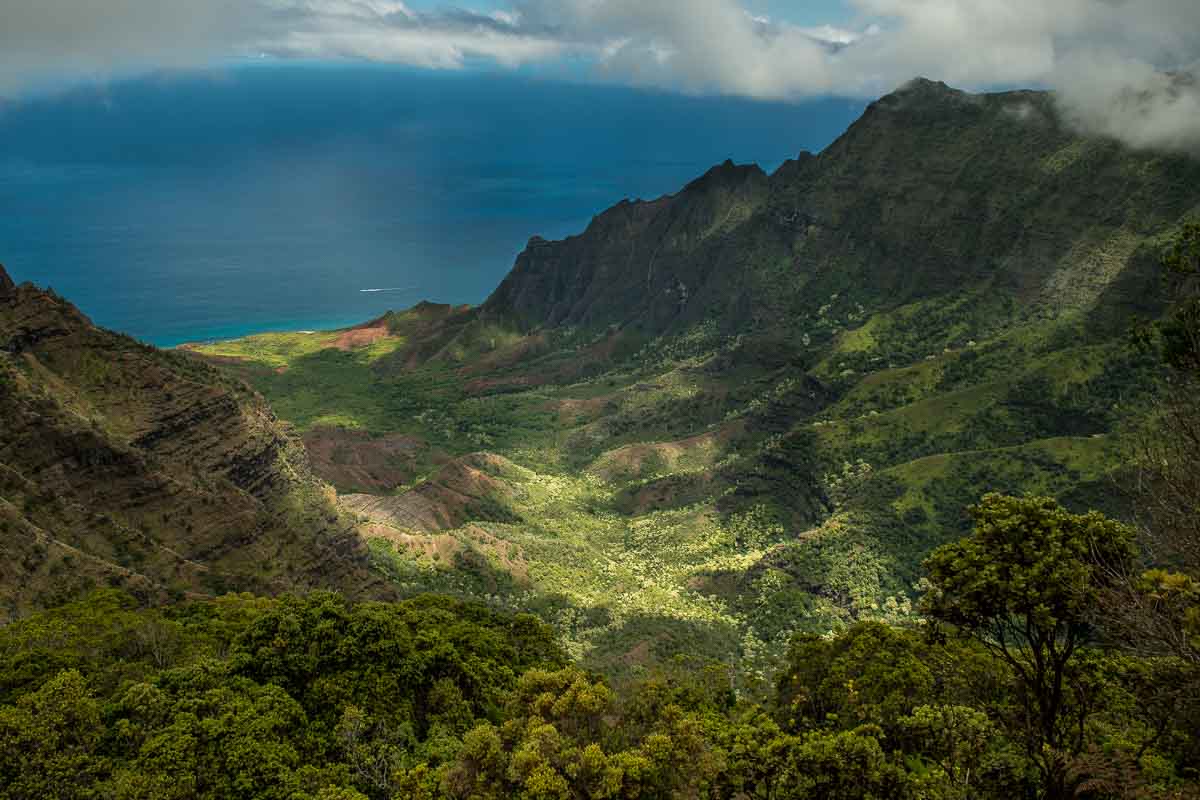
(1120,68)
(1131,101)
(44,41)
(1108,59)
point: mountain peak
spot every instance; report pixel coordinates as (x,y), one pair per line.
(6,283)
(922,195)
(921,92)
(726,174)
(923,84)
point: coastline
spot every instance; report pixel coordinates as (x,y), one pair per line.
(235,333)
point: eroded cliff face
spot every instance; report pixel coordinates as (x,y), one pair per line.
(932,190)
(637,263)
(123,464)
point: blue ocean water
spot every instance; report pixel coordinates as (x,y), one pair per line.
(184,208)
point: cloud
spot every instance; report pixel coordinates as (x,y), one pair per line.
(389,31)
(1129,100)
(1109,61)
(49,40)
(696,45)
(1106,57)
(691,45)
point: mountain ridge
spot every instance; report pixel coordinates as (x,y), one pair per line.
(152,468)
(679,256)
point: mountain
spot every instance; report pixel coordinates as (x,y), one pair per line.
(753,407)
(932,190)
(129,466)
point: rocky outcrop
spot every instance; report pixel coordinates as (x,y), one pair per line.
(472,488)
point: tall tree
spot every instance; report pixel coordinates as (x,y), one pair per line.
(1025,585)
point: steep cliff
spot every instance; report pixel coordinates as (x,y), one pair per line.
(123,464)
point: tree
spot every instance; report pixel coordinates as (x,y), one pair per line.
(871,674)
(963,742)
(847,765)
(198,733)
(1025,585)
(49,742)
(558,743)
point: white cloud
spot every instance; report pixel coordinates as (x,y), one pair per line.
(696,45)
(1103,55)
(1129,100)
(1105,58)
(832,34)
(44,40)
(390,31)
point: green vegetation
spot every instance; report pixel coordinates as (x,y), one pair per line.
(753,408)
(243,697)
(1024,585)
(692,496)
(126,466)
(773,431)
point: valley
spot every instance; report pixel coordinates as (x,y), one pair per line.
(752,408)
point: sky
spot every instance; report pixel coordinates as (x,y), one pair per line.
(1119,66)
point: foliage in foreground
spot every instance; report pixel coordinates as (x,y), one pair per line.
(434,698)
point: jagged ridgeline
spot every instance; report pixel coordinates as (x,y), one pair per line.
(128,466)
(933,193)
(752,407)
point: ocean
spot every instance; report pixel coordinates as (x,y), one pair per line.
(193,207)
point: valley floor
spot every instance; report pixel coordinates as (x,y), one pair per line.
(694,494)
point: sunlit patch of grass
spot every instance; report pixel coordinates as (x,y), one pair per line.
(1066,157)
(282,350)
(271,349)
(337,420)
(615,568)
(381,348)
(859,340)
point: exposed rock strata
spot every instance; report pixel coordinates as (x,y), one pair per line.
(122,464)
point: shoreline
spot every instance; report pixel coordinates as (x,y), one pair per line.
(233,335)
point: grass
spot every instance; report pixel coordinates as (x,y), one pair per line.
(272,349)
